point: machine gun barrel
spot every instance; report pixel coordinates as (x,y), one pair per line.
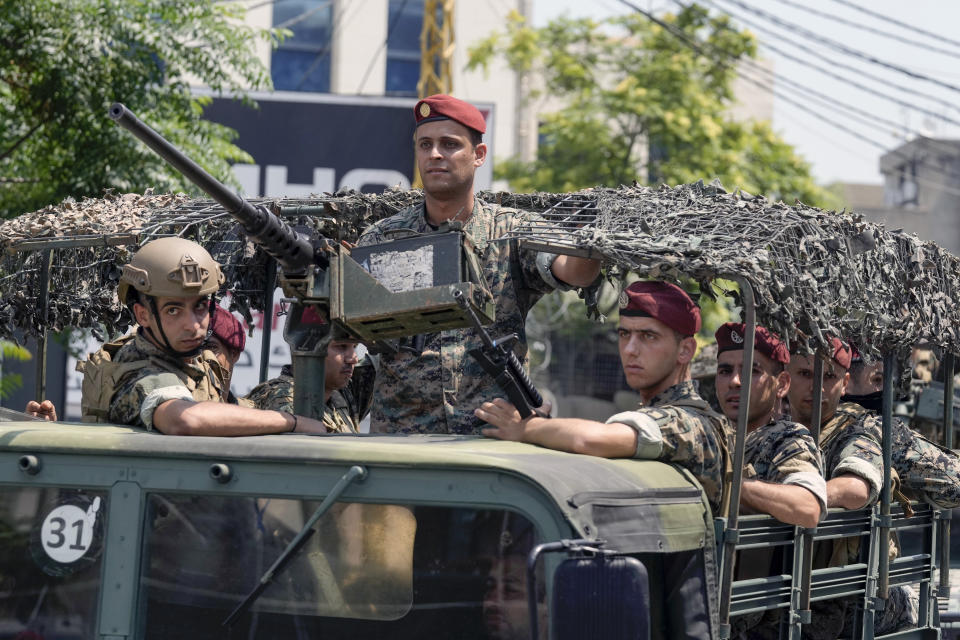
(292,251)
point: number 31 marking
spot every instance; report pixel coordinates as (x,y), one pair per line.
(67,532)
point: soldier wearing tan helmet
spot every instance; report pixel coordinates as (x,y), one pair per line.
(156,378)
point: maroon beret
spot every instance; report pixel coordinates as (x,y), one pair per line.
(227,329)
(666,302)
(444,107)
(730,338)
(840,352)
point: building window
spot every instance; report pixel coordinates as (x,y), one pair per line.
(302,61)
(404,24)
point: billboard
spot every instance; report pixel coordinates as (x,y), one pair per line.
(306,143)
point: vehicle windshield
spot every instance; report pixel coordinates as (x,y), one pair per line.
(50,556)
(370,569)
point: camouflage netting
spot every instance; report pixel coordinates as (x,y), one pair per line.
(812,272)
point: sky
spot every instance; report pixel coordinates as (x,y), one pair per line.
(893,106)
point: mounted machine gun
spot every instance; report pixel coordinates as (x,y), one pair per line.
(317,273)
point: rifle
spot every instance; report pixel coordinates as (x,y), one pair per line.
(498,359)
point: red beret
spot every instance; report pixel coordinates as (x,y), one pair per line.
(840,352)
(666,302)
(227,329)
(444,107)
(730,338)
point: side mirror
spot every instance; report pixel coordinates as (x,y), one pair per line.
(596,593)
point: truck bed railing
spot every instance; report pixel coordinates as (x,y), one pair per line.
(777,591)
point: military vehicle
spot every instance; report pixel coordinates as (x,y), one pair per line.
(112,532)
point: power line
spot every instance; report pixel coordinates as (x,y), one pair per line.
(383,45)
(869,29)
(841,47)
(830,102)
(896,22)
(845,79)
(297,19)
(674,31)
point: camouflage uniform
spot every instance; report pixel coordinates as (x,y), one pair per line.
(436,391)
(783,452)
(138,392)
(851,444)
(927,471)
(690,434)
(345,408)
(848,447)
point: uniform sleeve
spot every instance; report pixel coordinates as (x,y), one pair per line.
(372,235)
(536,267)
(139,396)
(796,460)
(673,434)
(273,395)
(927,471)
(859,454)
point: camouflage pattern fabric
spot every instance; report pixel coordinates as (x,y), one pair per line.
(345,408)
(784,452)
(779,452)
(162,377)
(848,447)
(436,391)
(926,471)
(275,394)
(693,436)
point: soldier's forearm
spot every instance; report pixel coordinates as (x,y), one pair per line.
(577,272)
(787,503)
(582,436)
(183,417)
(848,491)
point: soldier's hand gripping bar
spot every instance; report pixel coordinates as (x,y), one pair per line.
(497,358)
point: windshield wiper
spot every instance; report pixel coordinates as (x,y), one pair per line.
(355,473)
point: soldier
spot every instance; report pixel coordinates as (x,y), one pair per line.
(926,471)
(347,388)
(156,377)
(226,343)
(853,462)
(866,383)
(783,472)
(434,388)
(657,324)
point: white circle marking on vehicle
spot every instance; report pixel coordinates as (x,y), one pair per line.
(67,532)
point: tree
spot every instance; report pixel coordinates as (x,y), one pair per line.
(10,382)
(63,62)
(632,94)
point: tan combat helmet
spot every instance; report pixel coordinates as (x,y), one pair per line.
(171,268)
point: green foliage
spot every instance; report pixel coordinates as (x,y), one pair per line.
(633,95)
(10,382)
(64,62)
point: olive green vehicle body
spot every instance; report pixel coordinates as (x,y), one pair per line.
(638,507)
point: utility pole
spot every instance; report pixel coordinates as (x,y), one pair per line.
(436,54)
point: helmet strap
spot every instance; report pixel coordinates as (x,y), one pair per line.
(168,347)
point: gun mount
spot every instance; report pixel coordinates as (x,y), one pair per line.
(334,294)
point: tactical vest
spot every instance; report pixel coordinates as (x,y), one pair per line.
(703,406)
(102,377)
